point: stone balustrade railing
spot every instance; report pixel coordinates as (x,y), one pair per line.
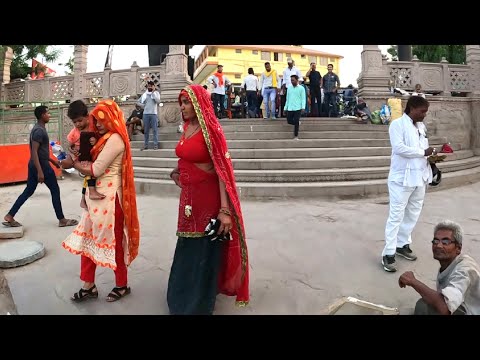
(109,83)
(437,78)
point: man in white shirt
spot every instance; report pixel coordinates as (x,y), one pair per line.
(149,103)
(219,82)
(290,70)
(250,83)
(458,279)
(410,172)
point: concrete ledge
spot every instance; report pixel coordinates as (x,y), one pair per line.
(11,232)
(15,253)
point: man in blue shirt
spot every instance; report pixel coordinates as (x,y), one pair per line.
(295,104)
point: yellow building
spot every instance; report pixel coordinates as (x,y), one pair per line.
(236,59)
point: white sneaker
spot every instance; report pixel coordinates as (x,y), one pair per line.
(295,138)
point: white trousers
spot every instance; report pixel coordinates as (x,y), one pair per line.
(405,206)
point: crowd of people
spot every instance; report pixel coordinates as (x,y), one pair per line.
(211,253)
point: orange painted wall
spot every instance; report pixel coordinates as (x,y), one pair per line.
(14,163)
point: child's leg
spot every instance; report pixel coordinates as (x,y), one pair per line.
(83,203)
(93,194)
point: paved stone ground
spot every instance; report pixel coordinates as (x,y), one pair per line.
(304,255)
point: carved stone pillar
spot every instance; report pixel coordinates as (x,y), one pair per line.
(80,53)
(5,63)
(176,77)
(473,59)
(374,79)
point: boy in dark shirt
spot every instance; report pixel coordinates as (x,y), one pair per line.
(40,171)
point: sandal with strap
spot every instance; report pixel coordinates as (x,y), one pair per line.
(84,294)
(116,293)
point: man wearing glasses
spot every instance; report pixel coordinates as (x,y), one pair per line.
(458,280)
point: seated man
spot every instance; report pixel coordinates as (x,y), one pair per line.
(134,122)
(458,280)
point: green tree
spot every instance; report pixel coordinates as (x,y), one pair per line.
(393,51)
(23,55)
(455,54)
(69,65)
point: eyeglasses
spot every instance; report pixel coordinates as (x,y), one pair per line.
(443,241)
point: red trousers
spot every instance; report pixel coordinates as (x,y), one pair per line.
(87,272)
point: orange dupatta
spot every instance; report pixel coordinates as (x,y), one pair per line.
(111,116)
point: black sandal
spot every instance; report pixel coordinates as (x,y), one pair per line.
(116,294)
(84,294)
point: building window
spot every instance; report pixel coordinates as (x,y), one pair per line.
(323,61)
(238,51)
(255,52)
(266,55)
(288,55)
(238,76)
(312,59)
(303,56)
(277,56)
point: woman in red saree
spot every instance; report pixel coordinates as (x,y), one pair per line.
(203,267)
(108,233)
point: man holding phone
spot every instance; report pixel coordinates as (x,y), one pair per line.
(149,103)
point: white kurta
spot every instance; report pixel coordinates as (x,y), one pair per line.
(409,174)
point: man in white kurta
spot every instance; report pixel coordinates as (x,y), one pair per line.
(409,175)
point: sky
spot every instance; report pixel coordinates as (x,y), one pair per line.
(124,55)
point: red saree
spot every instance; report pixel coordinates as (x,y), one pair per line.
(234,271)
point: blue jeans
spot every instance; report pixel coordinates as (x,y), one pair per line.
(150,121)
(32,182)
(269,98)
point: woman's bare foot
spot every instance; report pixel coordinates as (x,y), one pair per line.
(83,203)
(93,194)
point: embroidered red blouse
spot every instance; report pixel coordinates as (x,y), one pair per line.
(200,195)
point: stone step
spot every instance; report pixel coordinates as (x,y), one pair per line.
(312,175)
(267,135)
(287,153)
(311,120)
(333,189)
(290,143)
(283,126)
(293,163)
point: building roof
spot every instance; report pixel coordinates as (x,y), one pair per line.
(281,48)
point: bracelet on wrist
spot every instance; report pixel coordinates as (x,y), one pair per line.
(225,211)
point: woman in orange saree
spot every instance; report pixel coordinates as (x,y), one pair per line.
(108,233)
(204,266)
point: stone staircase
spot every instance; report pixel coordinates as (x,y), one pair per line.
(334,157)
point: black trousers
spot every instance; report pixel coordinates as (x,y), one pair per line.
(293,118)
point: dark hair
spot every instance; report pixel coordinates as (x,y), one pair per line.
(150,83)
(330,65)
(76,109)
(415,102)
(205,87)
(267,63)
(40,110)
(294,76)
(250,71)
(219,66)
